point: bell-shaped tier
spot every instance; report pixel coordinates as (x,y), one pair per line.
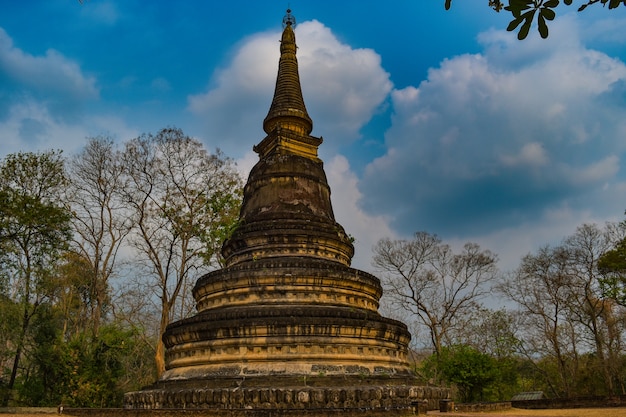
(287,212)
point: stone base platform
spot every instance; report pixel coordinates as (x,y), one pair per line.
(312,400)
(113,412)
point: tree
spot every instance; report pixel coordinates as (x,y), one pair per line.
(471,371)
(73,294)
(34,233)
(101,220)
(612,267)
(496,333)
(540,288)
(184,202)
(525,11)
(589,307)
(559,294)
(431,283)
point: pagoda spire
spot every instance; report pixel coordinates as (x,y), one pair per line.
(287,123)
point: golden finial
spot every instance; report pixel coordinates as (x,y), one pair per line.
(289,19)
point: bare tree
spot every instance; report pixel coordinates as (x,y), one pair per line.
(184,203)
(589,307)
(559,294)
(494,332)
(426,279)
(540,287)
(101,220)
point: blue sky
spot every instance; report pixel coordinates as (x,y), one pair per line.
(432,120)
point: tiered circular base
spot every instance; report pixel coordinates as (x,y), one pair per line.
(286,316)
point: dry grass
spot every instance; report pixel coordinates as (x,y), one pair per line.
(516,412)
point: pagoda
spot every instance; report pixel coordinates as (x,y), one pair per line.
(287,325)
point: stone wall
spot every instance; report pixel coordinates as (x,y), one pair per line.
(483,407)
(578,402)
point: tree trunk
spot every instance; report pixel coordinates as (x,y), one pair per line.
(16,360)
(159,356)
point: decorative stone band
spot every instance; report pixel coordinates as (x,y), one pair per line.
(285,340)
(272,238)
(369,401)
(289,138)
(288,281)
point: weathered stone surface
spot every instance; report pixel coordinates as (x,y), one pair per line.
(344,398)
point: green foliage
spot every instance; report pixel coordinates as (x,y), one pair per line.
(80,372)
(34,225)
(525,11)
(612,267)
(473,373)
(9,329)
(34,233)
(96,366)
(64,339)
(44,382)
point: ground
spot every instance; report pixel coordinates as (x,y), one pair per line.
(515,412)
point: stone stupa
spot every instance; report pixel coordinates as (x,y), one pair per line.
(287,325)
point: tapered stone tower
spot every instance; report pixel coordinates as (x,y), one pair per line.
(287,325)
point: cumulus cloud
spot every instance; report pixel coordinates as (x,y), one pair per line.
(43,100)
(491,140)
(342,87)
(365,228)
(531,154)
(30,126)
(51,73)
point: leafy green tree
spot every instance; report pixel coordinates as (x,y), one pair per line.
(497,334)
(99,365)
(612,267)
(524,12)
(9,329)
(470,371)
(47,366)
(34,233)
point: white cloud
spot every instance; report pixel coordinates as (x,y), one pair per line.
(491,140)
(30,126)
(531,154)
(595,172)
(239,96)
(51,73)
(342,88)
(366,229)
